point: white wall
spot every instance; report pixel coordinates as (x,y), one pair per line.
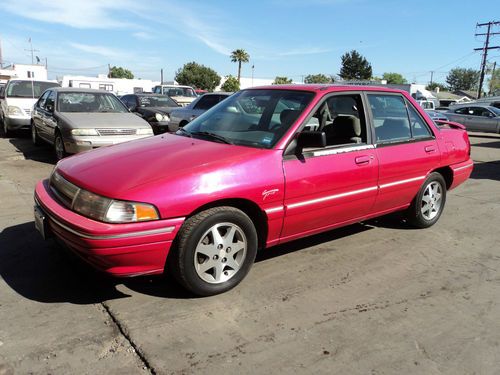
(24,71)
(119,86)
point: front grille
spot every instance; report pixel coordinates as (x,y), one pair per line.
(112,131)
(64,190)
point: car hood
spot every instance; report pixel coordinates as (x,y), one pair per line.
(102,120)
(151,110)
(120,170)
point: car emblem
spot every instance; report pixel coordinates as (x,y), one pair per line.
(267,193)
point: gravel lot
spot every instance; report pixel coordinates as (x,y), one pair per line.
(371,298)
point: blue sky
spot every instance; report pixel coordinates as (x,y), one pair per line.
(283,37)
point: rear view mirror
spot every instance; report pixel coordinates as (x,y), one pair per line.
(308,139)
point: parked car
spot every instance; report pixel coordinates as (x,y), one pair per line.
(153,108)
(435,115)
(181,116)
(476,117)
(75,120)
(247,175)
(17,98)
(181,94)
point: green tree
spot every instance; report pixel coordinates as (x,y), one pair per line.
(231,84)
(462,79)
(198,76)
(239,56)
(494,81)
(119,72)
(355,66)
(394,78)
(282,81)
(434,85)
(317,78)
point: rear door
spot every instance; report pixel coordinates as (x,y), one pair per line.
(482,119)
(405,146)
(329,186)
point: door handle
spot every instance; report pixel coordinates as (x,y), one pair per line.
(365,159)
(430,149)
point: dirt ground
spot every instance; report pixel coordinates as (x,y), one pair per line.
(371,298)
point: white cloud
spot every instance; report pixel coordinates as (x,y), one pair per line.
(86,14)
(304,51)
(143,35)
(99,50)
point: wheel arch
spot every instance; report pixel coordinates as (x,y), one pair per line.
(447,174)
(250,208)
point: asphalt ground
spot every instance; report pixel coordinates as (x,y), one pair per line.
(372,298)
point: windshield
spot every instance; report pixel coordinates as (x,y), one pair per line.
(256,118)
(89,102)
(156,101)
(495,110)
(28,89)
(179,91)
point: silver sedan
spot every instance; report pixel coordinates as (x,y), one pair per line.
(476,117)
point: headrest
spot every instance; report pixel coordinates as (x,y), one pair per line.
(347,125)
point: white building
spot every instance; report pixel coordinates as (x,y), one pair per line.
(119,86)
(23,71)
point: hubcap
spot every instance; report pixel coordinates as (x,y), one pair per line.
(431,201)
(59,148)
(220,253)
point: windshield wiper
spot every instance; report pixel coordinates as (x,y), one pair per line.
(182,131)
(214,136)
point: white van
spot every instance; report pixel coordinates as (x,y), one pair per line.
(183,95)
(17,99)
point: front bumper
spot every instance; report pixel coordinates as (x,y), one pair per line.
(117,249)
(163,127)
(16,123)
(76,144)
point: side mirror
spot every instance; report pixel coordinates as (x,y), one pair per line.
(132,108)
(50,108)
(308,139)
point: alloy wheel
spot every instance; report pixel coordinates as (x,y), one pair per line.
(220,253)
(431,200)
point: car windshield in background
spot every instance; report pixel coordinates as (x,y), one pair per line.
(89,102)
(156,101)
(495,110)
(28,89)
(256,118)
(181,91)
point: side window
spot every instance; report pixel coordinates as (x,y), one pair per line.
(342,119)
(390,118)
(207,102)
(107,87)
(479,111)
(419,128)
(41,101)
(462,111)
(84,85)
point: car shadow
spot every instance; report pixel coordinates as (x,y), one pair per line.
(44,271)
(43,153)
(487,144)
(489,170)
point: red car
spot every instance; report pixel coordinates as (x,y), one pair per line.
(266,166)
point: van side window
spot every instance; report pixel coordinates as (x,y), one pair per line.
(390,118)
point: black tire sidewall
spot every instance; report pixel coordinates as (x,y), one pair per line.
(189,240)
(416,217)
(58,135)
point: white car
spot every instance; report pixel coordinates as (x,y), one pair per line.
(183,95)
(17,99)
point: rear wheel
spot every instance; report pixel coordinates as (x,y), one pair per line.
(59,149)
(429,202)
(216,249)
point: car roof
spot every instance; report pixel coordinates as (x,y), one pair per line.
(326,88)
(29,80)
(471,104)
(78,89)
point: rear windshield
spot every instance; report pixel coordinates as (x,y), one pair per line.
(28,89)
(156,101)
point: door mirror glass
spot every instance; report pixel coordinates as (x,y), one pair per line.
(49,108)
(308,139)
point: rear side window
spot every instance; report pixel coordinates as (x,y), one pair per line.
(41,101)
(462,111)
(207,102)
(390,118)
(419,128)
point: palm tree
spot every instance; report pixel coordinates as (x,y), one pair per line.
(239,56)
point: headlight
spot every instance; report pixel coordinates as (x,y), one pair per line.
(160,117)
(144,131)
(84,132)
(14,111)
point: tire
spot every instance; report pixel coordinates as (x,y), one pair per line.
(183,123)
(205,263)
(35,138)
(59,149)
(428,205)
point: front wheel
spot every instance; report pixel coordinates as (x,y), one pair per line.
(429,203)
(35,138)
(59,149)
(216,249)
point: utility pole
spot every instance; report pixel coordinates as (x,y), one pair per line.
(485,50)
(109,70)
(1,59)
(161,75)
(32,51)
(432,75)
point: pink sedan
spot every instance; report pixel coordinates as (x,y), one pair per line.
(265,166)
